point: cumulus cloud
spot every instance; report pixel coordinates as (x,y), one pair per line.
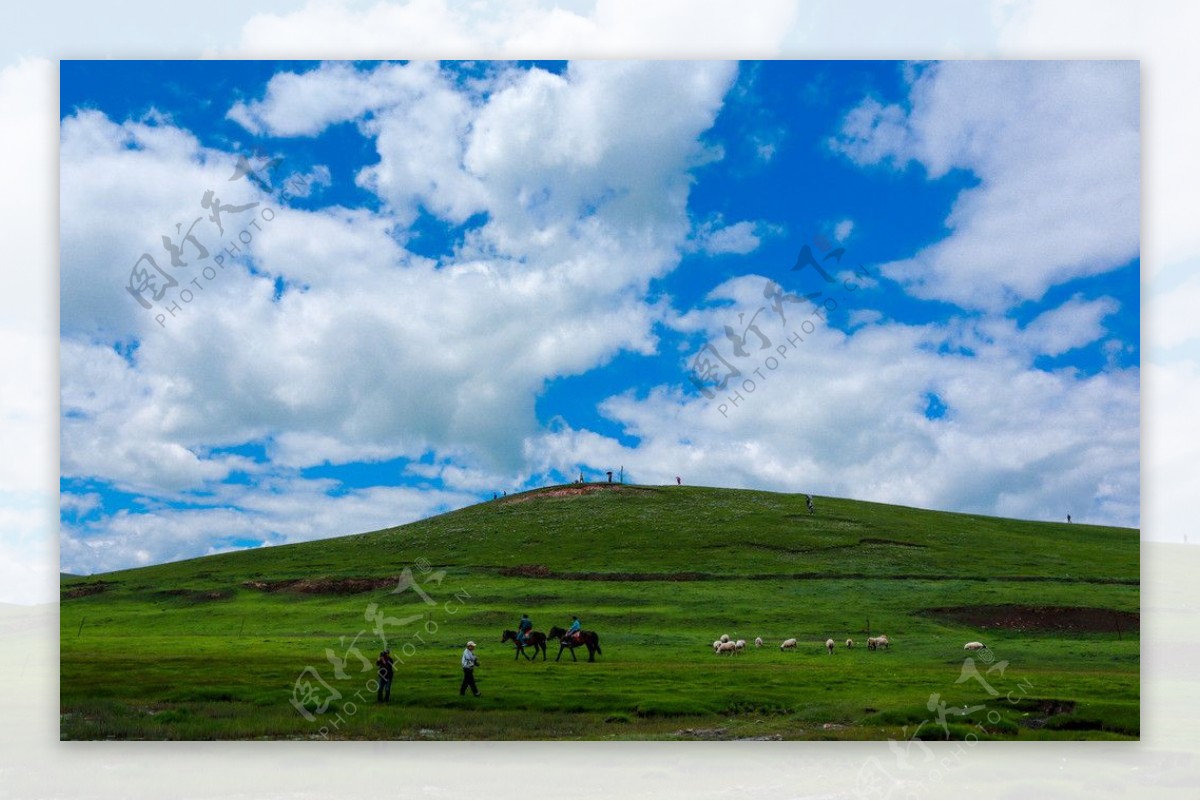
(1075,324)
(845,415)
(1055,148)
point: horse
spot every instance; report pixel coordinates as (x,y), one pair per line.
(534,638)
(589,638)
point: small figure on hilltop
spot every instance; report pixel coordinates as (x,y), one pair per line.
(809,503)
(678,481)
(387,671)
(1068,518)
(469,663)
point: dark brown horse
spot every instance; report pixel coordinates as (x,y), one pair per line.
(534,638)
(589,638)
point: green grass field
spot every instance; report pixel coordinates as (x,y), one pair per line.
(214,648)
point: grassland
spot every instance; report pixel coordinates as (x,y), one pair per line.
(212,648)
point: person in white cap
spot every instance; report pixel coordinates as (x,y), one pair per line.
(469,663)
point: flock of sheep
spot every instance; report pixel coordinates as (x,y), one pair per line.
(724,645)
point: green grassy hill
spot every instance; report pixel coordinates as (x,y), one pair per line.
(213,647)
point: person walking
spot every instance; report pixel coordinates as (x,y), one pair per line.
(469,663)
(387,671)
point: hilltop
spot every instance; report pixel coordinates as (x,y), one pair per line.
(621,530)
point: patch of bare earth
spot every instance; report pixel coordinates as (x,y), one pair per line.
(83,590)
(575,491)
(322,586)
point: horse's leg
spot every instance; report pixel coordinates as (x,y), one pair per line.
(591,653)
(573,657)
(560,649)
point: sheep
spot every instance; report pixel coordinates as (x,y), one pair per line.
(790,643)
(727,648)
(758,642)
(716,645)
(724,638)
(849,643)
(874,643)
(739,645)
(829,645)
(974,646)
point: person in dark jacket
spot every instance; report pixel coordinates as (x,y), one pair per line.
(387,671)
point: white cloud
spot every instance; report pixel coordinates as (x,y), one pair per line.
(715,238)
(1055,147)
(842,231)
(845,415)
(305,104)
(1076,323)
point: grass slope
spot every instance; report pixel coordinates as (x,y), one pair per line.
(213,647)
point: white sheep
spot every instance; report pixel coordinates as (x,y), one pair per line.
(849,643)
(716,645)
(974,646)
(740,644)
(727,648)
(829,645)
(881,641)
(790,643)
(724,638)
(758,642)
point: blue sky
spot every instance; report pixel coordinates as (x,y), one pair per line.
(482,277)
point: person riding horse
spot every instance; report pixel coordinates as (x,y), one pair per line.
(523,628)
(570,640)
